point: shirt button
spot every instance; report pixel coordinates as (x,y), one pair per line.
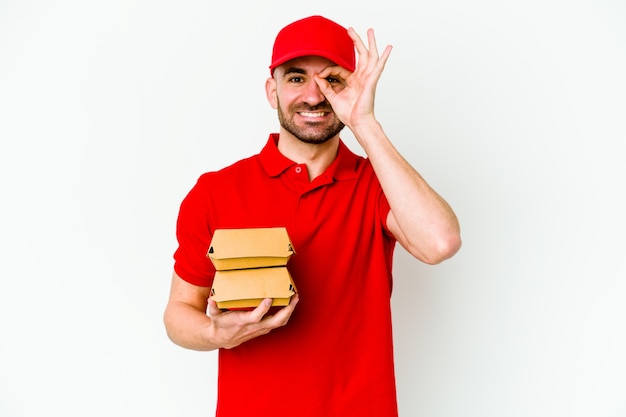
(298,170)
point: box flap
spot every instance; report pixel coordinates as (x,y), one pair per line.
(250,248)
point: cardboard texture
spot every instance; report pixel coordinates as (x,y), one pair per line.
(250,248)
(241,288)
(251,265)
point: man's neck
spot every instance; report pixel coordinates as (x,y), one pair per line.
(316,157)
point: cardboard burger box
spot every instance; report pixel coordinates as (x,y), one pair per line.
(251,264)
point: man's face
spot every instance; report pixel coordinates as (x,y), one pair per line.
(303,111)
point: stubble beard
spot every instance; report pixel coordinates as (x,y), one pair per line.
(307,134)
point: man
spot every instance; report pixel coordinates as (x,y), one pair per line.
(329,353)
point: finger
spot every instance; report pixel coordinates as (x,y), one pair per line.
(294,300)
(371,41)
(336,71)
(368,56)
(358,43)
(282,316)
(261,310)
(376,62)
(213,309)
(386,53)
(325,88)
(383,58)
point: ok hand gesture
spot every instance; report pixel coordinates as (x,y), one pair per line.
(352,98)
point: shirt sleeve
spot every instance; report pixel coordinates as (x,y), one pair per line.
(384,209)
(194,236)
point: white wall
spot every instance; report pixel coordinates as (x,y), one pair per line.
(514,111)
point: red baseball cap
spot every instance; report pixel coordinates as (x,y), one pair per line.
(314,35)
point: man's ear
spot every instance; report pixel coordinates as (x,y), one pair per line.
(270,92)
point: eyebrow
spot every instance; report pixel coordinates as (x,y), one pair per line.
(295,70)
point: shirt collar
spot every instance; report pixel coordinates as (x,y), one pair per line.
(342,168)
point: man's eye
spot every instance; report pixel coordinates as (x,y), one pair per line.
(295,79)
(332,80)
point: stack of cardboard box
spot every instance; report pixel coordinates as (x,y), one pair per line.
(251,265)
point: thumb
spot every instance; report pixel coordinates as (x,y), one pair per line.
(213,309)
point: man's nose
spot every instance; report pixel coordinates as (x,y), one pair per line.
(312,95)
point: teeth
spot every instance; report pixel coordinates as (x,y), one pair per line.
(310,114)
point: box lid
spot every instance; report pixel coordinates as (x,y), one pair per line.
(250,248)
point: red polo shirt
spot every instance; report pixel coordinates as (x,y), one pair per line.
(335,356)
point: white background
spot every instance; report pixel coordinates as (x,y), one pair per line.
(514,111)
